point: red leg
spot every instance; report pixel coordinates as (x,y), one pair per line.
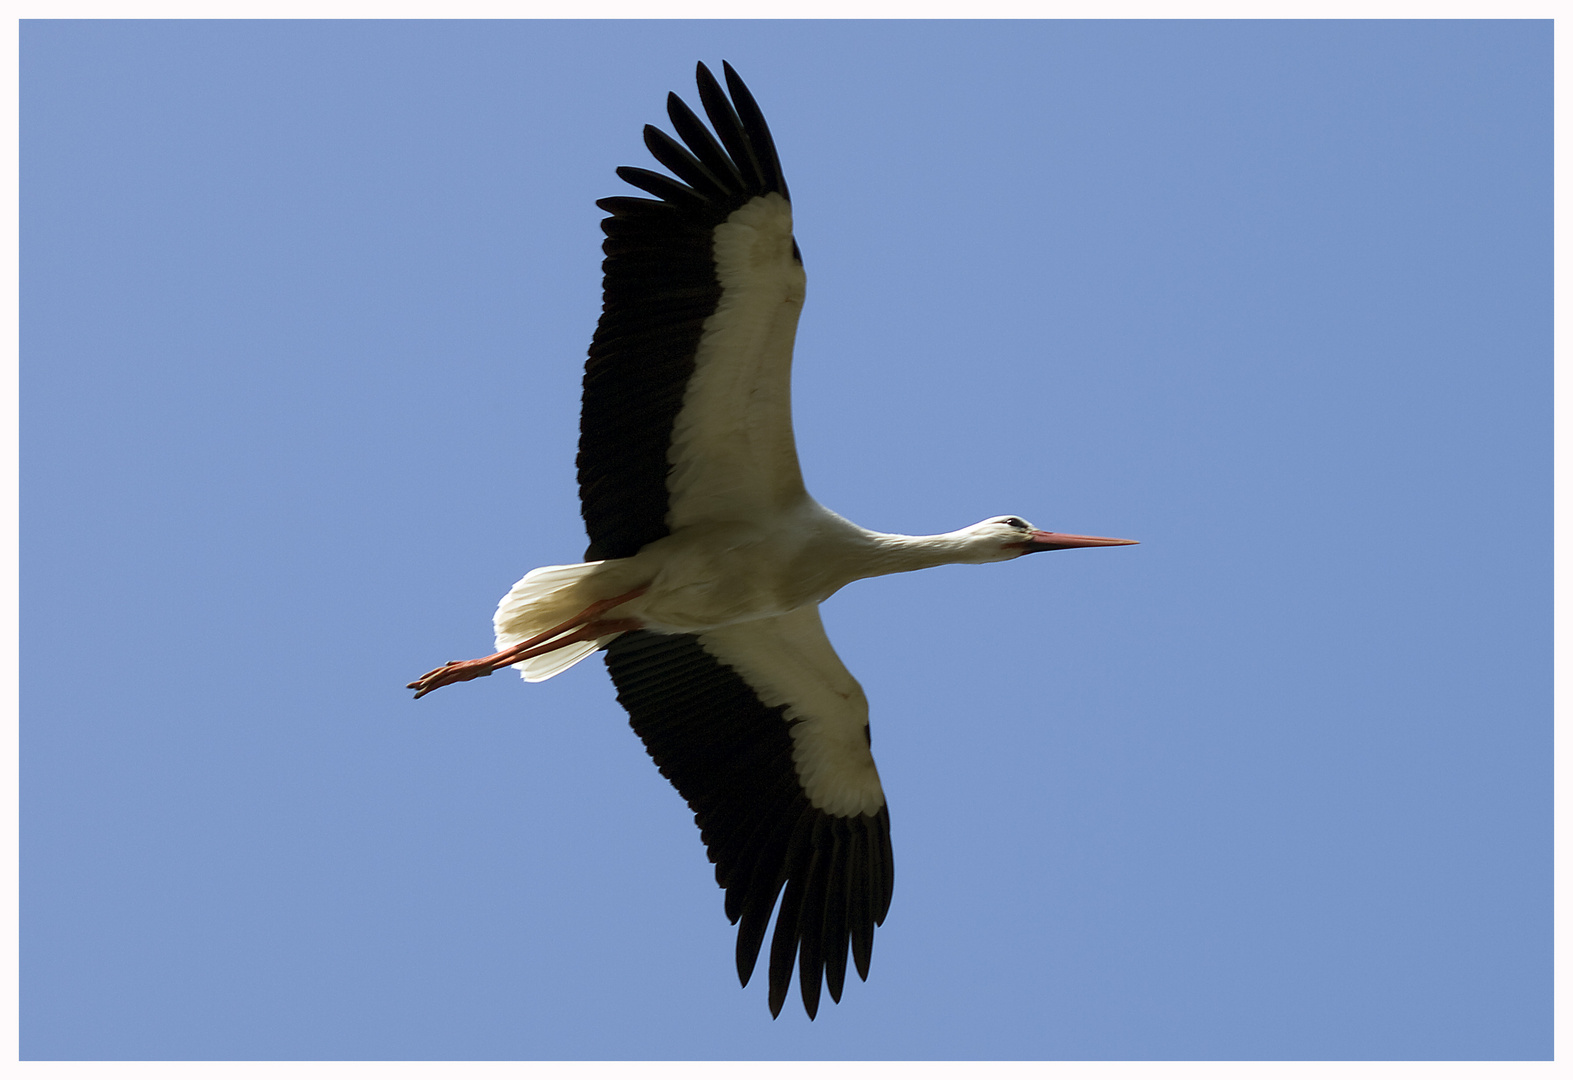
(587,626)
(588,632)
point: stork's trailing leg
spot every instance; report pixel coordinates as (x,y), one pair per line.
(585,626)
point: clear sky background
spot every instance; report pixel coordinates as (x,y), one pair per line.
(304,312)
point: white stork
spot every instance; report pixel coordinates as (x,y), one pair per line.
(708,560)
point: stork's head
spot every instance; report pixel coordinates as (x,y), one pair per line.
(1011,537)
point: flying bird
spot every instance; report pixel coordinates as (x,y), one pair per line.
(708,559)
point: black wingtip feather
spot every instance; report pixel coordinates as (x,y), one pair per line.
(834,934)
(754,922)
(886,861)
(784,942)
(758,132)
(661,186)
(692,131)
(811,921)
(724,118)
(688,168)
(751,934)
(626,206)
(783,945)
(861,891)
(764,884)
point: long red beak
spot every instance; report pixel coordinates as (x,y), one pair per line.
(1049,541)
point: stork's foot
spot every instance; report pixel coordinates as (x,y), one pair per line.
(451,672)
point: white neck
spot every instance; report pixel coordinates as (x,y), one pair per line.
(894,553)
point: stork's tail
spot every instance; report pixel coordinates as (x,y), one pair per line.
(542,599)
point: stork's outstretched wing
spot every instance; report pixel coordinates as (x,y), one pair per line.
(687,391)
(764,732)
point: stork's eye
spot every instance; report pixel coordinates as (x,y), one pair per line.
(1016,523)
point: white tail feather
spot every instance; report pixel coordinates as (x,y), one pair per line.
(542,599)
(543,667)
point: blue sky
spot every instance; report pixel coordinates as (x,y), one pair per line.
(304,310)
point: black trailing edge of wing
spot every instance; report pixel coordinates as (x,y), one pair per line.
(730,757)
(659,288)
